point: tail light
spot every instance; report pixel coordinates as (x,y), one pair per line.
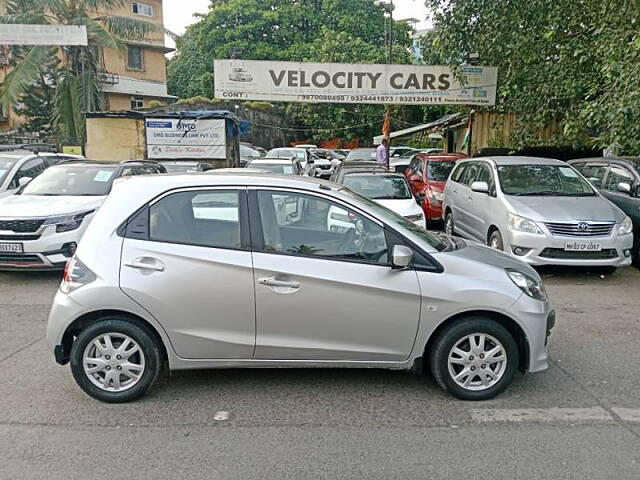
(76,275)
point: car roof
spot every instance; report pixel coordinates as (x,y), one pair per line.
(508,160)
(441,157)
(14,153)
(375,173)
(358,163)
(283,161)
(634,160)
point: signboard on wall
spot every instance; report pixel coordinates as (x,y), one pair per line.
(16,34)
(354,83)
(175,138)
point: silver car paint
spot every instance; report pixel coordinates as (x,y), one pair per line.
(475,213)
(354,327)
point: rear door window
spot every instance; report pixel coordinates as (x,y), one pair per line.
(459,172)
(594,172)
(202,218)
(470,174)
(30,169)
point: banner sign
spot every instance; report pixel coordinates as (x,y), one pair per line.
(175,138)
(15,34)
(350,83)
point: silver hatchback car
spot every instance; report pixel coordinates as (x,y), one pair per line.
(241,270)
(539,210)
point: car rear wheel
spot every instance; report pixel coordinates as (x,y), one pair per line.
(115,360)
(495,240)
(449,227)
(474,359)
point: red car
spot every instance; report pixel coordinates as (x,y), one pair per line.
(427,176)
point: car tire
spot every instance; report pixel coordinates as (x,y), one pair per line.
(139,369)
(449,225)
(446,363)
(495,241)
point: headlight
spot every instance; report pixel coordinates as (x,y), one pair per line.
(522,224)
(626,226)
(414,218)
(528,284)
(437,196)
(68,222)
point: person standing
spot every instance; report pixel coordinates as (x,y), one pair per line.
(382,153)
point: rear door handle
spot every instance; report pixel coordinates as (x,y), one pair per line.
(272,282)
(146,263)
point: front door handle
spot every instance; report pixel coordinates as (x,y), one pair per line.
(146,263)
(272,282)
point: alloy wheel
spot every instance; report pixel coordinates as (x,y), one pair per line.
(113,362)
(477,361)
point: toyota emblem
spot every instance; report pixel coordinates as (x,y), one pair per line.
(583,226)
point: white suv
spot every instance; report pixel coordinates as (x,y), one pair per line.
(20,164)
(42,224)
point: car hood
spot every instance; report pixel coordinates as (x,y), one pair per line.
(565,209)
(402,207)
(28,206)
(489,256)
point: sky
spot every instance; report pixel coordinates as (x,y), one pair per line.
(178,14)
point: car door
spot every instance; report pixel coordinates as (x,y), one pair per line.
(463,197)
(628,203)
(415,175)
(481,205)
(186,259)
(327,294)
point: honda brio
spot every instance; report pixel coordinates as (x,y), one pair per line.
(241,270)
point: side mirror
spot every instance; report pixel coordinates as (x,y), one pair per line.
(401,257)
(480,187)
(22,181)
(624,187)
(420,198)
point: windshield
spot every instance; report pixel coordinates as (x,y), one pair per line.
(379,187)
(368,154)
(6,164)
(543,180)
(438,242)
(439,171)
(274,167)
(73,181)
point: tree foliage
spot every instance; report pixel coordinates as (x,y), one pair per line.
(574,62)
(77,88)
(344,31)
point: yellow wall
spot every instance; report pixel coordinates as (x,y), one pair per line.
(119,101)
(154,64)
(115,139)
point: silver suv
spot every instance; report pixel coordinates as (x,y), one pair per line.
(242,270)
(541,211)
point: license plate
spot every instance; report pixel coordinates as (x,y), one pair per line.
(11,247)
(583,247)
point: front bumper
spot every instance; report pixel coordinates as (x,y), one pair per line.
(43,250)
(550,250)
(537,320)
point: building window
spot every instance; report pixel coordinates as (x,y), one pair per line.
(137,101)
(143,9)
(135,58)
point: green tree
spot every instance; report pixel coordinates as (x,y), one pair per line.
(76,85)
(346,31)
(576,62)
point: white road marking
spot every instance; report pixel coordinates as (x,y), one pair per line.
(546,415)
(221,416)
(627,414)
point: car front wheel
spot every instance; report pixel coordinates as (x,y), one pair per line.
(495,241)
(115,360)
(474,359)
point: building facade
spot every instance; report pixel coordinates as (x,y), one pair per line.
(129,78)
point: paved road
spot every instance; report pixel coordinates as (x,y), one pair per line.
(580,419)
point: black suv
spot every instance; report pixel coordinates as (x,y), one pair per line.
(618,179)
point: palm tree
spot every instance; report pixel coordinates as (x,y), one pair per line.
(77,86)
